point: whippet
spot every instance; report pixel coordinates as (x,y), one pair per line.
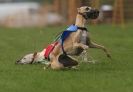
(74,44)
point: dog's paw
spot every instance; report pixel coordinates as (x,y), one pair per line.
(85,47)
(44,68)
(75,68)
(109,56)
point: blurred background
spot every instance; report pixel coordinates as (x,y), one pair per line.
(28,13)
(27,26)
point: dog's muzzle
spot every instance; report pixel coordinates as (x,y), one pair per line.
(17,62)
(92,14)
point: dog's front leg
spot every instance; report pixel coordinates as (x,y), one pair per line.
(94,45)
(81,45)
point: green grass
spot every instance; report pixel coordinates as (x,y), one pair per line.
(104,76)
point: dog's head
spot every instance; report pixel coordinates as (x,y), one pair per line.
(88,12)
(27,59)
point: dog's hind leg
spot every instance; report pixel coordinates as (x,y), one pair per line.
(67,61)
(55,64)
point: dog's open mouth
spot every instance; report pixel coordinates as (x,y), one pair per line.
(67,61)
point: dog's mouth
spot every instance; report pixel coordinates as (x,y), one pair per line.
(93,14)
(18,62)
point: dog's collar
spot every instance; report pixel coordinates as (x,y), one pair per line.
(74,27)
(83,28)
(34,56)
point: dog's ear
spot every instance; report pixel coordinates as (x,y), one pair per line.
(35,53)
(34,56)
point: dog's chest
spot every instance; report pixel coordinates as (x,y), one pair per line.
(83,37)
(76,51)
(84,40)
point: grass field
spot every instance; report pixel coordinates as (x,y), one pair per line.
(104,76)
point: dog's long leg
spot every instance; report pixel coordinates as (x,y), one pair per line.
(94,45)
(55,63)
(81,45)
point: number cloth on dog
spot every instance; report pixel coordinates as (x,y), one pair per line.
(72,28)
(61,38)
(49,49)
(66,33)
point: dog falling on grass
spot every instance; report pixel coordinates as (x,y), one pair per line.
(73,41)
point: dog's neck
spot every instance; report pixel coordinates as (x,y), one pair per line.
(80,21)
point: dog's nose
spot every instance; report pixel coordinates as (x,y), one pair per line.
(17,62)
(97,12)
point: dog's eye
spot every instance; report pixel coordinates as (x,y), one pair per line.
(87,9)
(24,58)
